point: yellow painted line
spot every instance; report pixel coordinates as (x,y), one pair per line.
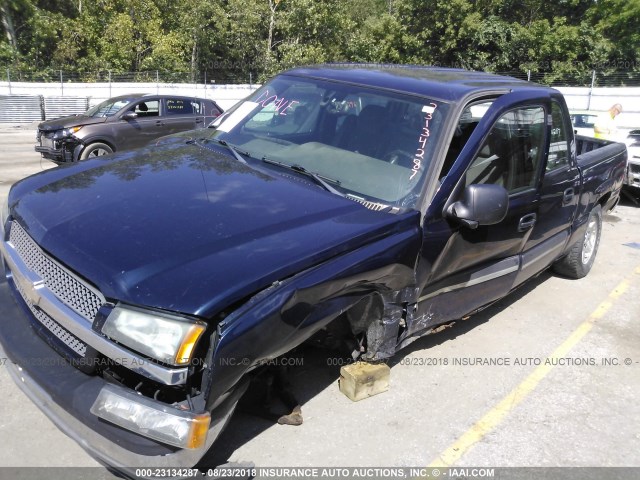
(497,414)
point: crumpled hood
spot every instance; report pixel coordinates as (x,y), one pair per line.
(70,121)
(188,228)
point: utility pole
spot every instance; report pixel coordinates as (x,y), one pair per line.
(593,82)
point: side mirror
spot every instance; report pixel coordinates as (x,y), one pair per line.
(485,204)
(129,116)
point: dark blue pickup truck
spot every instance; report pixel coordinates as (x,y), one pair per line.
(377,203)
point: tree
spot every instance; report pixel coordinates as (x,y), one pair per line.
(433,31)
(559,51)
(378,39)
(233,40)
(493,40)
(312,32)
(618,21)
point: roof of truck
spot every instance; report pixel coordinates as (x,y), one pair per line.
(435,82)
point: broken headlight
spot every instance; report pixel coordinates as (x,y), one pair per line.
(67,132)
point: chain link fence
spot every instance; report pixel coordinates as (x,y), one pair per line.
(591,79)
(107,76)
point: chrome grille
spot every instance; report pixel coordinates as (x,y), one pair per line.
(73,292)
(67,338)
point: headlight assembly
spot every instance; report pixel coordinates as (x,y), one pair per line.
(151,419)
(168,338)
(67,132)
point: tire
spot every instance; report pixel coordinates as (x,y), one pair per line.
(580,258)
(95,150)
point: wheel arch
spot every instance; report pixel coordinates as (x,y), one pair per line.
(88,142)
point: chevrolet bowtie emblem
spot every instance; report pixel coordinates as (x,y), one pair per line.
(30,290)
(32,293)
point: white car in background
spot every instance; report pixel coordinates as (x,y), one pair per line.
(583,121)
(633,152)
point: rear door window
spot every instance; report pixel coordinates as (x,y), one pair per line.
(180,106)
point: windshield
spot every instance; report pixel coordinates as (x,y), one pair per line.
(371,145)
(107,108)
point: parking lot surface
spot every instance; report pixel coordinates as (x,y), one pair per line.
(549,376)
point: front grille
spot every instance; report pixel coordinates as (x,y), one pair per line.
(73,292)
(633,168)
(61,333)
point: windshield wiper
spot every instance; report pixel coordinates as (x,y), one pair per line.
(320,180)
(232,149)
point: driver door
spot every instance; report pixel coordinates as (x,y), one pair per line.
(462,268)
(139,131)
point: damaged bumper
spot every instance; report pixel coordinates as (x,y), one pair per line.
(67,396)
(115,425)
(57,150)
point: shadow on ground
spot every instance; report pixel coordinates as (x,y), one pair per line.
(630,197)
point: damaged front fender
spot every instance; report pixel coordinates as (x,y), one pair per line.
(367,283)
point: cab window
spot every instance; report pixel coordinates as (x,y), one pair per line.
(512,152)
(471,116)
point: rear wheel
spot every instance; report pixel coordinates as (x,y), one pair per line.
(95,150)
(579,261)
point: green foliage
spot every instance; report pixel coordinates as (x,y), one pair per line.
(379,39)
(559,50)
(228,40)
(618,21)
(494,43)
(309,31)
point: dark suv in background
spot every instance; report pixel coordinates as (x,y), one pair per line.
(121,123)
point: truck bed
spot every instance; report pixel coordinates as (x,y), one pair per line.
(602,165)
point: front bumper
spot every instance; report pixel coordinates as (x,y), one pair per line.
(62,155)
(59,151)
(65,395)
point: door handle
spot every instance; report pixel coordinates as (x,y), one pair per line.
(199,120)
(567,196)
(159,123)
(527,222)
